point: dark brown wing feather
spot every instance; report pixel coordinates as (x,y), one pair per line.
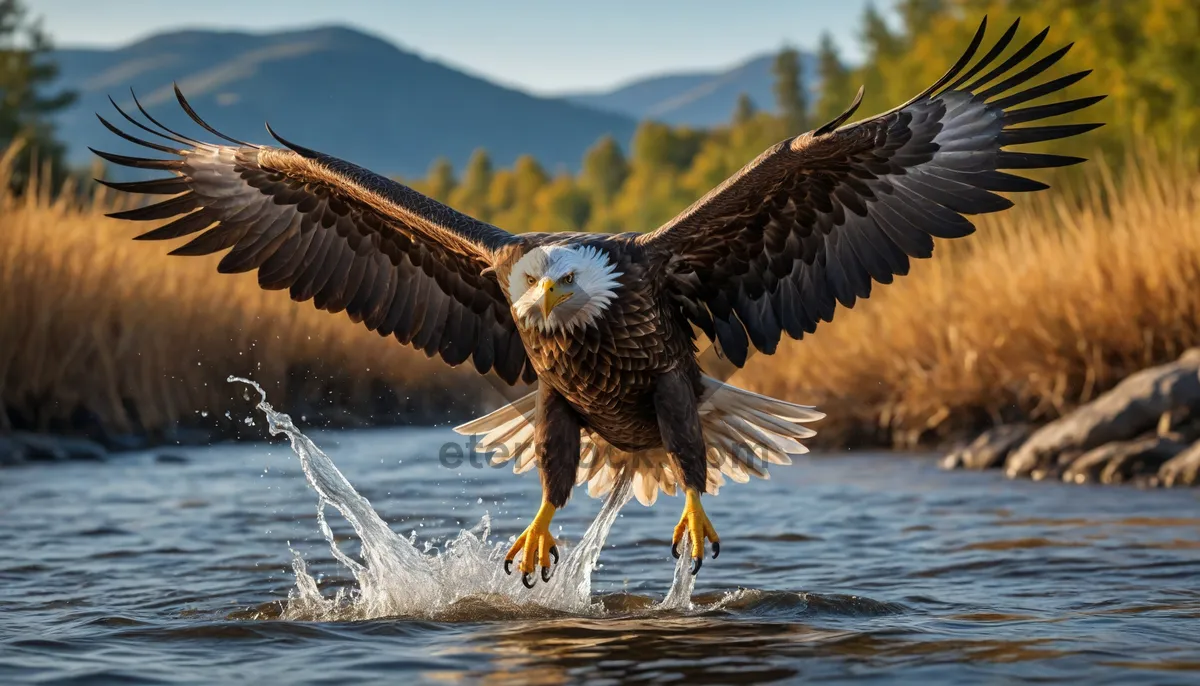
(817,219)
(336,234)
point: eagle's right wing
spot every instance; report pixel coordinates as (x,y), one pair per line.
(818,218)
(339,235)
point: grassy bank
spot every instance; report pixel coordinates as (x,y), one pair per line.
(1048,305)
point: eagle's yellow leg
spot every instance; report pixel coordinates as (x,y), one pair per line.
(698,528)
(536,546)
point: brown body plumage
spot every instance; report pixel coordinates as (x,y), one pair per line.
(607,371)
(605,324)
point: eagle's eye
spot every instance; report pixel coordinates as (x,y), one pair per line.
(530,280)
(569,278)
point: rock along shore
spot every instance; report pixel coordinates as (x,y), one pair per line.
(313,402)
(1145,431)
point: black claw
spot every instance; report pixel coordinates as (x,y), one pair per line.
(675,550)
(716,549)
(545,574)
(508,567)
(554,553)
(529,583)
(696,564)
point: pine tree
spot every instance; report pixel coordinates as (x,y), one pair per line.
(657,145)
(604,170)
(879,74)
(744,110)
(529,179)
(440,182)
(918,15)
(25,103)
(471,196)
(502,193)
(879,40)
(652,145)
(790,95)
(836,93)
(561,205)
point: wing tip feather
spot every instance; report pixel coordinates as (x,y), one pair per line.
(837,121)
(187,107)
(294,147)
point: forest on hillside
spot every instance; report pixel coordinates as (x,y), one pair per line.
(1143,55)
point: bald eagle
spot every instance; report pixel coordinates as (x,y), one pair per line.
(606,325)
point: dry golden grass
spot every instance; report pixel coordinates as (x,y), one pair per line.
(91,319)
(1048,305)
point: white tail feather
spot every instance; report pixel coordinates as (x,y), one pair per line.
(525,405)
(745,431)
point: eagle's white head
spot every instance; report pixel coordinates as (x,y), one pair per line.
(562,287)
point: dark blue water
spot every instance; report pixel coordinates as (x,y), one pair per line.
(854,568)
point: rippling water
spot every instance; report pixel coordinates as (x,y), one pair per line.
(851,567)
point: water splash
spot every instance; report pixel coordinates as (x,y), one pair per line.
(680,595)
(396,579)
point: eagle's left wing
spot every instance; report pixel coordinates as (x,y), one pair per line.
(819,217)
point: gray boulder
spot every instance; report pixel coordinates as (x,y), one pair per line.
(1183,469)
(989,449)
(1123,461)
(11,452)
(46,448)
(1134,407)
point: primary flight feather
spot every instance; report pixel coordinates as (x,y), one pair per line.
(605,324)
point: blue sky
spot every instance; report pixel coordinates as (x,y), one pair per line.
(540,46)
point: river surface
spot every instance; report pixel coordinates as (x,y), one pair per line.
(210,565)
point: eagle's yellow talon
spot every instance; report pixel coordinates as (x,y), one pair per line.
(536,546)
(695,523)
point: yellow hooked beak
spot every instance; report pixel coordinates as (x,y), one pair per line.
(551,295)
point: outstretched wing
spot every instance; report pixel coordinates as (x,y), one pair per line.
(817,218)
(334,233)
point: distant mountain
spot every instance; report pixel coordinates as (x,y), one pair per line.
(335,89)
(701,99)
